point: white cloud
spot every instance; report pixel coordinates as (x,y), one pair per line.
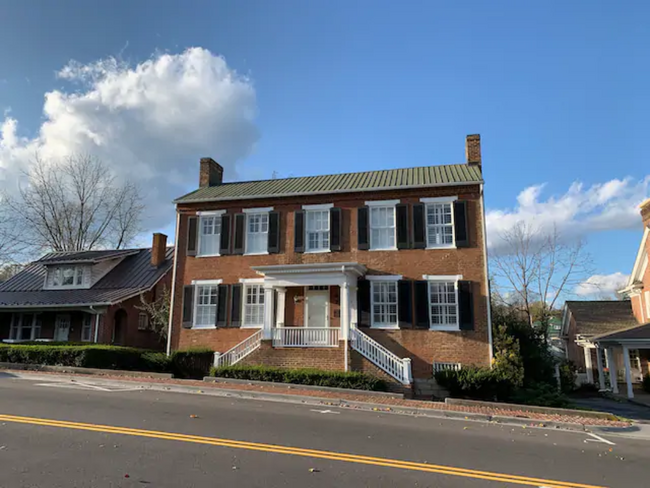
(602,285)
(577,213)
(149,122)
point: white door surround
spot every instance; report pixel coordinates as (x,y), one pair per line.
(317,308)
(62,327)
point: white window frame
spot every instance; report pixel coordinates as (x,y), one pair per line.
(377,281)
(376,204)
(635,360)
(143,318)
(17,326)
(80,271)
(437,280)
(440,201)
(261,294)
(312,210)
(209,215)
(87,327)
(254,212)
(197,285)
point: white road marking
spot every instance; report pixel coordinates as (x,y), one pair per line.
(598,439)
(85,386)
(325,411)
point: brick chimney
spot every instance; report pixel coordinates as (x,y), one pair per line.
(473,149)
(645,212)
(158,249)
(211,173)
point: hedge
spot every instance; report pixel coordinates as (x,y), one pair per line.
(476,383)
(316,377)
(183,364)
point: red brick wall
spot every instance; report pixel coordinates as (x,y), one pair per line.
(329,359)
(422,346)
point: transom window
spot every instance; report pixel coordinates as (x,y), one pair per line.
(67,276)
(254,306)
(318,230)
(382,227)
(443,304)
(25,327)
(206,306)
(440,225)
(210,235)
(87,328)
(257,233)
(384,304)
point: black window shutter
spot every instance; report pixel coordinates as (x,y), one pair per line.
(422,304)
(240,235)
(274,232)
(402,213)
(404,303)
(363,303)
(465,305)
(192,235)
(224,247)
(363,229)
(235,305)
(461,227)
(336,234)
(222,305)
(299,231)
(188,306)
(419,227)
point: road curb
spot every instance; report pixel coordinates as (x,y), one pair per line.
(84,371)
(530,408)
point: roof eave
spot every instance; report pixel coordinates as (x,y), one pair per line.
(329,192)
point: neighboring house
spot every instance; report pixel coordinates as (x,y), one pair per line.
(380,271)
(582,321)
(88,296)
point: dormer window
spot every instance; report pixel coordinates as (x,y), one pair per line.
(68,276)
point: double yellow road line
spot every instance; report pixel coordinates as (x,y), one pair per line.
(295,451)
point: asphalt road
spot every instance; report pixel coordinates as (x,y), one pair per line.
(61,435)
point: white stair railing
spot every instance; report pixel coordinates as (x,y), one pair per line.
(398,368)
(239,352)
(306,336)
(446,366)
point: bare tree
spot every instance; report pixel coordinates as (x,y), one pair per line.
(158,312)
(535,269)
(76,205)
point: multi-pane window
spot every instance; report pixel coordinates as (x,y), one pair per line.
(87,328)
(25,327)
(206,305)
(382,227)
(318,230)
(384,304)
(143,321)
(443,303)
(254,306)
(210,234)
(440,225)
(257,233)
(635,359)
(67,276)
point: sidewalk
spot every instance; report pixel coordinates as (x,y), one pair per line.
(351,400)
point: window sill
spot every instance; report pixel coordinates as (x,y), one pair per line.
(256,253)
(445,328)
(207,255)
(203,327)
(251,326)
(318,251)
(449,246)
(385,249)
(385,327)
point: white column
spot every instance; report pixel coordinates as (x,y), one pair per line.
(345,310)
(588,365)
(628,371)
(267,330)
(97,327)
(601,373)
(280,314)
(611,363)
(353,306)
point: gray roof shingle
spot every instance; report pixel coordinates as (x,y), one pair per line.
(640,332)
(85,256)
(130,277)
(340,183)
(594,317)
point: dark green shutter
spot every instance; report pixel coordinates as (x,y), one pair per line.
(299,231)
(419,226)
(224,245)
(363,303)
(405,304)
(465,305)
(461,224)
(222,305)
(192,235)
(274,232)
(336,235)
(363,229)
(188,306)
(235,305)
(402,214)
(240,234)
(421,293)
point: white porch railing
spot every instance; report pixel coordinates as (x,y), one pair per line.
(306,336)
(398,368)
(446,367)
(239,352)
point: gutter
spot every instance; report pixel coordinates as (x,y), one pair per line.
(487,279)
(173,291)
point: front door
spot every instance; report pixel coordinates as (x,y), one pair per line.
(317,307)
(62,327)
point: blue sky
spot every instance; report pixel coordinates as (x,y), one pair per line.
(557,90)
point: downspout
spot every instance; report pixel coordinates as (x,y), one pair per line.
(96,323)
(173,293)
(487,278)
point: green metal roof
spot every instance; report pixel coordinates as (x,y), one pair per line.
(452,174)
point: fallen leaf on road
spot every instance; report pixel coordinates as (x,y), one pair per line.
(194,416)
(200,391)
(126,476)
(464,428)
(314,470)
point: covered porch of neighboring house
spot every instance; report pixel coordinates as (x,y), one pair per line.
(625,357)
(50,325)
